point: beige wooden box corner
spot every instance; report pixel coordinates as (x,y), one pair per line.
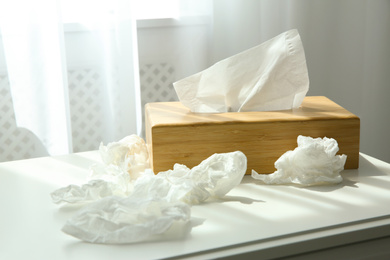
(176,135)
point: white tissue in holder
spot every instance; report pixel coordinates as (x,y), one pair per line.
(270,76)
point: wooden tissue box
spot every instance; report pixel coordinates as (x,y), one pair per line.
(176,135)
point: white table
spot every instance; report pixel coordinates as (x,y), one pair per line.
(253,220)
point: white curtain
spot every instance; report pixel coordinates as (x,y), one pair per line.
(346,46)
(37,67)
(33,44)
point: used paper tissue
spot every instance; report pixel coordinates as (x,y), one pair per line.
(124,161)
(143,205)
(313,162)
(129,154)
(115,220)
(270,76)
(212,178)
(157,201)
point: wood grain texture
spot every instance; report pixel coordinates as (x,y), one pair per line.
(176,135)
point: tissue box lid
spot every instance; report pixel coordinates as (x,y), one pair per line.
(312,108)
(176,135)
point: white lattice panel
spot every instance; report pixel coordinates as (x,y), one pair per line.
(156,84)
(86,112)
(87,115)
(15,143)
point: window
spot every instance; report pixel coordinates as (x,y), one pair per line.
(90,11)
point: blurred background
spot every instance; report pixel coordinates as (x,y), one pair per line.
(77,73)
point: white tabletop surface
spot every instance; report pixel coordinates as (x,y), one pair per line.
(273,221)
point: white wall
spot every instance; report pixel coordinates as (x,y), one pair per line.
(184,43)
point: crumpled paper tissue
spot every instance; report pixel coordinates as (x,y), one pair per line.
(313,162)
(212,178)
(270,76)
(124,161)
(116,220)
(145,205)
(129,154)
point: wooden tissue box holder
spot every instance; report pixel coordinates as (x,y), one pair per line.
(176,135)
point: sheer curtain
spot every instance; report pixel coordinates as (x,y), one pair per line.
(39,57)
(346,46)
(33,44)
